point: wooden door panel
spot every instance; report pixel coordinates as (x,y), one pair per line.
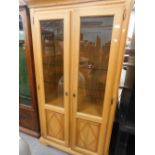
(55,124)
(87,135)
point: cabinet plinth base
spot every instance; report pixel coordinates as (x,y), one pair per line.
(29,132)
(60,147)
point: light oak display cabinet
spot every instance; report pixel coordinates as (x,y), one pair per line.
(78,52)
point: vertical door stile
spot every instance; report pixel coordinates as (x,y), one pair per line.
(74,71)
(67,73)
(40,76)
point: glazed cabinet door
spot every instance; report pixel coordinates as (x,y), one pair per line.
(51,54)
(95,40)
(28,114)
(24,84)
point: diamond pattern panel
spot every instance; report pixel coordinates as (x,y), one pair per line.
(87,135)
(55,124)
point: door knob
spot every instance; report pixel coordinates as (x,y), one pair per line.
(74,95)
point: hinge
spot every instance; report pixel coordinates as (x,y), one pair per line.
(112,101)
(124,14)
(33,20)
(38,87)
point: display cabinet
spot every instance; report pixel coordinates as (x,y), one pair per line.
(28,111)
(78,51)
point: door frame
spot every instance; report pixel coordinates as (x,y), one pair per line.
(117,12)
(37,17)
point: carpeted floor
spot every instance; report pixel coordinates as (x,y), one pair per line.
(37,148)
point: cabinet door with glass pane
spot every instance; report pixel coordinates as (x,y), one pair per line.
(24,84)
(94,55)
(28,114)
(52,70)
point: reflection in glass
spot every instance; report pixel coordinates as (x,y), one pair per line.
(52,54)
(95,40)
(24,89)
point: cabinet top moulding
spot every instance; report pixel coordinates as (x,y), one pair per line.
(49,3)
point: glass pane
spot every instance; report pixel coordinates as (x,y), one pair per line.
(24,88)
(52,54)
(95,40)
